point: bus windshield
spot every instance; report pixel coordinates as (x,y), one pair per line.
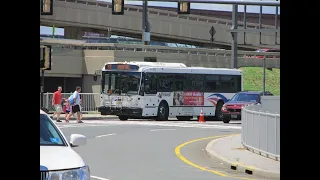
(118,82)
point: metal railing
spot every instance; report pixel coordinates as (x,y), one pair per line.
(78,44)
(261,131)
(160,12)
(89,101)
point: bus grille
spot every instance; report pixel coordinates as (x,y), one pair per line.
(44,175)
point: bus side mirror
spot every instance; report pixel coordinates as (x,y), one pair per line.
(95,77)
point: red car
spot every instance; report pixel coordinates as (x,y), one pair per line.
(232,109)
(265,50)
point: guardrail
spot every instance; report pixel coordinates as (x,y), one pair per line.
(78,44)
(159,12)
(89,101)
(261,131)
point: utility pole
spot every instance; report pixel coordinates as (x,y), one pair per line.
(234,45)
(46,9)
(145,24)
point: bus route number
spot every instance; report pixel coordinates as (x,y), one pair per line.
(118,67)
(123,67)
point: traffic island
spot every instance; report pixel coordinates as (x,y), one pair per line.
(230,152)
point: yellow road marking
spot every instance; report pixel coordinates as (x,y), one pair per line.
(177,151)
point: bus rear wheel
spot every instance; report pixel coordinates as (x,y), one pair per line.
(163,112)
(123,118)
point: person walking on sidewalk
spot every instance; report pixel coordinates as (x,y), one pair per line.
(66,109)
(75,105)
(56,103)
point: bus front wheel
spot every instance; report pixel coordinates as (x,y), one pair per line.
(163,112)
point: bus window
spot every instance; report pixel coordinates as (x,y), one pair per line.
(197,82)
(113,82)
(238,81)
(179,82)
(165,83)
(150,84)
(106,83)
(228,84)
(211,83)
(211,86)
(178,85)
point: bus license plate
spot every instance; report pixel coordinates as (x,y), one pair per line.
(233,116)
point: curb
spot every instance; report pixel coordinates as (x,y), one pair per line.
(89,118)
(238,166)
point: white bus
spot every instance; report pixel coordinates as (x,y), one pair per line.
(156,90)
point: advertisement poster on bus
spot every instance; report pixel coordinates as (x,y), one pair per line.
(178,98)
(188,98)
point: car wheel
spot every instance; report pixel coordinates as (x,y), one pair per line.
(225,120)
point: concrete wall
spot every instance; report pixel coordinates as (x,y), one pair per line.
(271,104)
(66,62)
(95,60)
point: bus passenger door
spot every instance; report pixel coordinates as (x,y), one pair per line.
(150,95)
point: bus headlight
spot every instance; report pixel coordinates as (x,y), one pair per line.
(72,174)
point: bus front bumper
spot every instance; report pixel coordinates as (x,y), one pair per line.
(123,111)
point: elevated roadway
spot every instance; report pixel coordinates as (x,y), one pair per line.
(78,16)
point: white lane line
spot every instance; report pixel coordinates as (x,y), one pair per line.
(81,126)
(165,124)
(105,135)
(99,178)
(162,129)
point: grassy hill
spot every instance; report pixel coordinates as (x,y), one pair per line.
(253,79)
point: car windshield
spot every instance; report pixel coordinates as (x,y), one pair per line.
(260,50)
(245,97)
(49,135)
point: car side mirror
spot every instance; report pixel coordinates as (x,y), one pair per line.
(77,140)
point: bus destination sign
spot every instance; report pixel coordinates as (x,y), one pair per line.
(121,67)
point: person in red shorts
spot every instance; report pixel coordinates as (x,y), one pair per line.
(56,103)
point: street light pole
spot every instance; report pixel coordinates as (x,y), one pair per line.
(42,89)
(145,24)
(264,74)
(234,45)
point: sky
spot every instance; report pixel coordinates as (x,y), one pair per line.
(219,7)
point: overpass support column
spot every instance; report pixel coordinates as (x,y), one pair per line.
(234,45)
(73,33)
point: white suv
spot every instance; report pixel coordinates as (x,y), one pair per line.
(58,161)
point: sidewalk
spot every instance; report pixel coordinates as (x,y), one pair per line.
(230,151)
(87,117)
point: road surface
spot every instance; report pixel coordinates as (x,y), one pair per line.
(145,150)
